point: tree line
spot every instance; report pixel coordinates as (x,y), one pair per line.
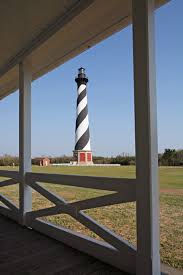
(170,157)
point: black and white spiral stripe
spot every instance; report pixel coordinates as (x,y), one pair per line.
(82,135)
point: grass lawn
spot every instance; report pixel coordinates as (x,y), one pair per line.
(120,218)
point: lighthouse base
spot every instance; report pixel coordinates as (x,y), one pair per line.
(83,157)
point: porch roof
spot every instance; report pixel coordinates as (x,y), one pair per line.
(52,32)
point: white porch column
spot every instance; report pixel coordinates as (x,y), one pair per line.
(25,192)
(148,259)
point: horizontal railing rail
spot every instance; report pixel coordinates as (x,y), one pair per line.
(102,183)
(10,174)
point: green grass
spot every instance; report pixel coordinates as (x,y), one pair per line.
(120,218)
(170,177)
(125,171)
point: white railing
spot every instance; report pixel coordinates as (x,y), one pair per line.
(10,209)
(113,249)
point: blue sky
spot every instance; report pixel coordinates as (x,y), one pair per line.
(109,68)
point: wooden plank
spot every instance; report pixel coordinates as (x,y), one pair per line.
(102,201)
(126,186)
(43,213)
(10,174)
(8,182)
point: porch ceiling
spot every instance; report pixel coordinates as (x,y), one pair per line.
(52,32)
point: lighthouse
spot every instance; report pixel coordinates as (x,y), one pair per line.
(82,150)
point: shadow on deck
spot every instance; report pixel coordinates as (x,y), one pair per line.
(25,251)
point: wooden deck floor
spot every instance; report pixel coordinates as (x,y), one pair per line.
(24,251)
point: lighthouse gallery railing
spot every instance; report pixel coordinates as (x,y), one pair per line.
(113,249)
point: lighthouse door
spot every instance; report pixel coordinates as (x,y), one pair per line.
(82,157)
